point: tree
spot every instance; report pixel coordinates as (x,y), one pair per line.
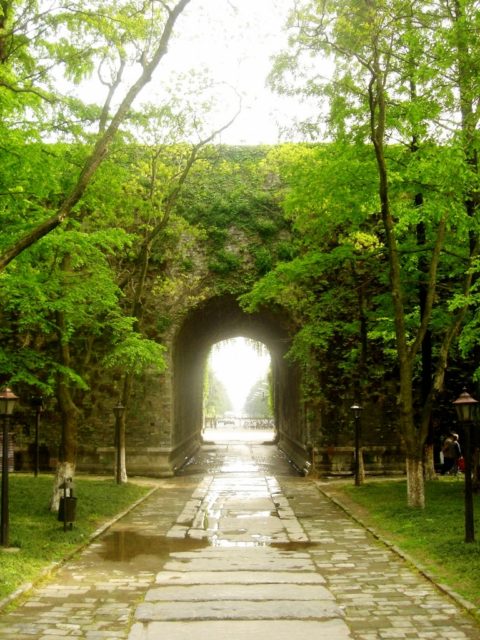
(164,183)
(384,88)
(125,31)
(108,38)
(216,399)
(130,206)
(328,282)
(258,401)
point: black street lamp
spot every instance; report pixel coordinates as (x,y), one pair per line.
(465,406)
(36,402)
(357,412)
(8,400)
(118,410)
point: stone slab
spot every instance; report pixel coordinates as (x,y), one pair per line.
(195,593)
(239,577)
(238,610)
(260,558)
(242,630)
(242,553)
(244,564)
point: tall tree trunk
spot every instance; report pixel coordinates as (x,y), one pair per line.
(423,283)
(426,371)
(126,392)
(136,312)
(362,367)
(69,418)
(415,482)
(412,438)
(68,447)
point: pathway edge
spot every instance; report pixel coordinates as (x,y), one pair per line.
(456,597)
(53,567)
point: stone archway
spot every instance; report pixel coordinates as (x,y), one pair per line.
(165,418)
(218,319)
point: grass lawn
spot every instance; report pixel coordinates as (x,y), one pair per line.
(37,533)
(434,536)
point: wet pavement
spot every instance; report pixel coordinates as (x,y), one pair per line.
(238,546)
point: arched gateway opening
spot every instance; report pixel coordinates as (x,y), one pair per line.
(237,398)
(219,319)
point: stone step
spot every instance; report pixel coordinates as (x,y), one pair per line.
(242,563)
(239,577)
(216,592)
(238,610)
(242,630)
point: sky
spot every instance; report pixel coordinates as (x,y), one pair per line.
(235,41)
(238,365)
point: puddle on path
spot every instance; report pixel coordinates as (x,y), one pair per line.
(123,546)
(238,504)
(237,458)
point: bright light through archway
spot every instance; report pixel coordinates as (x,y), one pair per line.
(239,364)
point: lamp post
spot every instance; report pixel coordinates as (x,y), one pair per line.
(37,403)
(118,410)
(357,412)
(8,401)
(465,407)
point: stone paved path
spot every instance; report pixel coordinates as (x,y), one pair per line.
(238,547)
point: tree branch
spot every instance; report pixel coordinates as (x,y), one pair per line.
(100,150)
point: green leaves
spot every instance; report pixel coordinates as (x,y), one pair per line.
(398,184)
(132,353)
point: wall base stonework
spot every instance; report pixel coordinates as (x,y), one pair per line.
(163,462)
(153,462)
(339,461)
(377,460)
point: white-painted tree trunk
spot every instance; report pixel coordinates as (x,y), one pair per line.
(65,471)
(123,467)
(415,483)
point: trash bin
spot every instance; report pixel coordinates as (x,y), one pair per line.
(68,505)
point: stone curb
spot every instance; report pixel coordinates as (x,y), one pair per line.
(52,568)
(457,598)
